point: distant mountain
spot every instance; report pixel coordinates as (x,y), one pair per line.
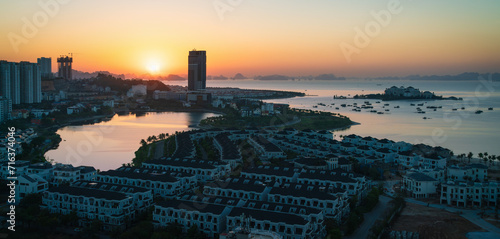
(272,77)
(173,77)
(220,77)
(81,74)
(459,77)
(239,76)
(464,76)
(328,77)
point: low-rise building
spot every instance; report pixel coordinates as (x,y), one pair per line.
(28,184)
(111,208)
(470,194)
(470,172)
(161,182)
(209,218)
(419,185)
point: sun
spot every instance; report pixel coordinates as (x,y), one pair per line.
(153,67)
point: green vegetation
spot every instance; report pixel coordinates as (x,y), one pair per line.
(367,204)
(122,86)
(300,119)
(169,147)
(397,205)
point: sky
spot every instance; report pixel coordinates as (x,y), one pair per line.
(370,38)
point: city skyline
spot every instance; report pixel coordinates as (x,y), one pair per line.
(368,39)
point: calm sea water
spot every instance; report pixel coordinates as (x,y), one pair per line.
(107,145)
(462,131)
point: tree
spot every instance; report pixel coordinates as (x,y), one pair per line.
(143,142)
(470,155)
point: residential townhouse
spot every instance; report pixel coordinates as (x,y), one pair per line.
(142,197)
(160,182)
(203,170)
(269,174)
(470,194)
(313,196)
(111,208)
(242,188)
(265,148)
(209,218)
(66,173)
(353,183)
(289,226)
(29,184)
(470,172)
(228,150)
(419,185)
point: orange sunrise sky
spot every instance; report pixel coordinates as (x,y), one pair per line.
(257,37)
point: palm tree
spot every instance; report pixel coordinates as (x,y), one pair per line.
(143,142)
(470,155)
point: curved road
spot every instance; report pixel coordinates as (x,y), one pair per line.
(364,230)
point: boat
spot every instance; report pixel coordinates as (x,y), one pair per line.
(424,118)
(479,112)
(315,106)
(491,108)
(454,109)
(422,104)
(412,104)
(386,109)
(396,107)
(386,104)
(343,105)
(463,108)
(380,113)
(336,108)
(377,102)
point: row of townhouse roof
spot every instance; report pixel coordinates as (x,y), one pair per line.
(106,202)
(229,152)
(303,148)
(266,148)
(330,197)
(216,214)
(164,183)
(184,147)
(203,170)
(328,163)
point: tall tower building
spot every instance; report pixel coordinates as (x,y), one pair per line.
(26,76)
(15,83)
(5,108)
(45,66)
(5,79)
(65,65)
(197,70)
(37,83)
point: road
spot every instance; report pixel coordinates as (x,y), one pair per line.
(159,149)
(364,230)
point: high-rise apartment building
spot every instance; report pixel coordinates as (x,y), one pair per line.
(20,82)
(45,66)
(197,70)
